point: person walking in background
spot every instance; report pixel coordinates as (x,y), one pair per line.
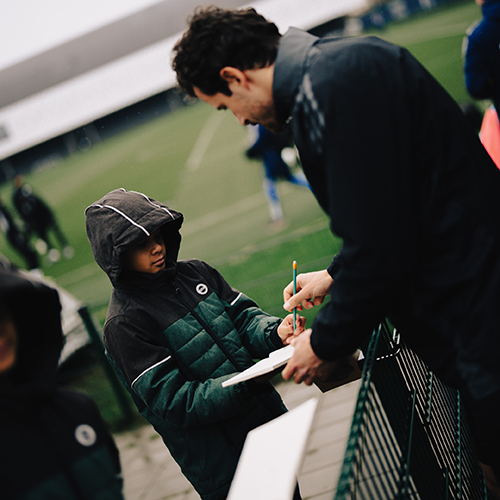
(482,55)
(408,188)
(482,72)
(269,148)
(40,219)
(175,331)
(55,445)
(17,238)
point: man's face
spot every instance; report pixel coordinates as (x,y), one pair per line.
(148,256)
(250,106)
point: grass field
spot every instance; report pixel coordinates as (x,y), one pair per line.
(193,160)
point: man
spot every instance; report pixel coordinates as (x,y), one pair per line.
(269,148)
(482,55)
(17,237)
(39,219)
(482,71)
(406,183)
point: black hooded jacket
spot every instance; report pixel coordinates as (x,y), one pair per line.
(412,193)
(54,443)
(173,337)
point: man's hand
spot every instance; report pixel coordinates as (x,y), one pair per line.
(304,365)
(286,331)
(311,290)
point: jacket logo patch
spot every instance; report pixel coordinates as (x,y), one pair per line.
(85,435)
(202,289)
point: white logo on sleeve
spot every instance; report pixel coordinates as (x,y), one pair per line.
(202,289)
(85,435)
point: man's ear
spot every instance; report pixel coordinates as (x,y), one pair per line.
(233,75)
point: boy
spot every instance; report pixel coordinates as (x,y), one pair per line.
(55,445)
(175,330)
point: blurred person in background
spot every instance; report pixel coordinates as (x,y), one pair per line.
(405,181)
(269,148)
(54,443)
(482,55)
(17,237)
(482,72)
(40,219)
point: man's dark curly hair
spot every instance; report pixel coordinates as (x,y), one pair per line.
(217,38)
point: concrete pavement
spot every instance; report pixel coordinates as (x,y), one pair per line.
(151,474)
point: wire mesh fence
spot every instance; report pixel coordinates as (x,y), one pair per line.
(409,437)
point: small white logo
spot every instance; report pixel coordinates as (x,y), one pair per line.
(202,289)
(85,435)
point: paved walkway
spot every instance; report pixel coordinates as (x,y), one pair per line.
(151,474)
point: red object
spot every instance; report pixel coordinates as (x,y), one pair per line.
(490,134)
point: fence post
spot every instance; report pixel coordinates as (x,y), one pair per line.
(116,385)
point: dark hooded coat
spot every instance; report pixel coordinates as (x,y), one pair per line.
(173,337)
(54,444)
(412,193)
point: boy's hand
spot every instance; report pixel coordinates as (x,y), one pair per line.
(286,330)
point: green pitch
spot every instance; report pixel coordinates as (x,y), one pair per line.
(193,160)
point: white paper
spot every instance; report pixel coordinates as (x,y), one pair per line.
(275,360)
(272,456)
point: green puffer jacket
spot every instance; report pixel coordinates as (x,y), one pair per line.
(173,337)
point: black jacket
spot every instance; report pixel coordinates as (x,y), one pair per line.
(54,443)
(173,337)
(412,193)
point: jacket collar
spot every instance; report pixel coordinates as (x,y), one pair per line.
(288,71)
(136,282)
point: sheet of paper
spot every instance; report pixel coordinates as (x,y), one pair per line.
(272,456)
(275,360)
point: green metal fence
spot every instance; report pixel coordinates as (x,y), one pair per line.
(409,437)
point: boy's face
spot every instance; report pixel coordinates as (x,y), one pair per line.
(148,256)
(8,342)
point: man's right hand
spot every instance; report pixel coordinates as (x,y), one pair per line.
(311,290)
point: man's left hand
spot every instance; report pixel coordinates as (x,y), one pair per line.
(304,365)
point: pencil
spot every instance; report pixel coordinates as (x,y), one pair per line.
(294,291)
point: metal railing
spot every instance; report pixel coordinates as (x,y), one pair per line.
(409,437)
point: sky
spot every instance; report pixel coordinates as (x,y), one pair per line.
(28,27)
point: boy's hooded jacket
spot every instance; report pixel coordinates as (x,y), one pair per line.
(173,337)
(54,444)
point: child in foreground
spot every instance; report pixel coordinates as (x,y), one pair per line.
(175,330)
(55,445)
